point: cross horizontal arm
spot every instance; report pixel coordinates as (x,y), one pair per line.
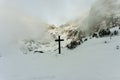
(62,40)
(59,40)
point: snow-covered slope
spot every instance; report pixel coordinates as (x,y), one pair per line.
(93,60)
(30,53)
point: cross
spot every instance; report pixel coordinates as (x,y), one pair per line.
(59,44)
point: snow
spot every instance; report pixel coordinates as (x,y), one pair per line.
(93,60)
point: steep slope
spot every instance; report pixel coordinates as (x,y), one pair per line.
(93,60)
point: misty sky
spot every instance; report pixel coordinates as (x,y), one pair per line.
(51,11)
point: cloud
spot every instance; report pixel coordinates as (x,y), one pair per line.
(102,9)
(16,26)
(21,19)
(52,11)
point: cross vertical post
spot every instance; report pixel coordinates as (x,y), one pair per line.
(59,44)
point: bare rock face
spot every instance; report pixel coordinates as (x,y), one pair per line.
(104,32)
(73,44)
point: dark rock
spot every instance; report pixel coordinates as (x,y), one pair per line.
(85,39)
(73,45)
(95,35)
(119,27)
(104,32)
(117,47)
(38,52)
(81,41)
(105,42)
(115,25)
(115,32)
(75,33)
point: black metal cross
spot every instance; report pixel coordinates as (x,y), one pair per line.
(59,44)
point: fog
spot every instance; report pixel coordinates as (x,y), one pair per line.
(24,19)
(51,11)
(28,19)
(21,19)
(102,9)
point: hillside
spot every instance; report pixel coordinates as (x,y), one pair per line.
(93,60)
(90,50)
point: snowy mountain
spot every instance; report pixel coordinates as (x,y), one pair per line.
(90,50)
(102,15)
(97,58)
(71,32)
